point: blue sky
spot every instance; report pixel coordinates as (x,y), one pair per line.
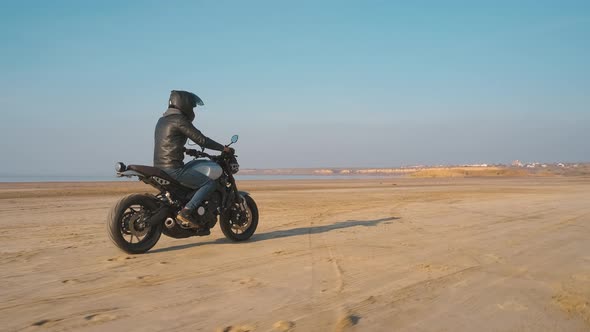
(305,84)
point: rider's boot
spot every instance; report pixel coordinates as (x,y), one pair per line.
(186,218)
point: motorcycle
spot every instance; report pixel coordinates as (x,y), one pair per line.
(144,217)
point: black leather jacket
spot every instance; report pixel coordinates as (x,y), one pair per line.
(172,131)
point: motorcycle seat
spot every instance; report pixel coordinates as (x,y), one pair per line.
(152,171)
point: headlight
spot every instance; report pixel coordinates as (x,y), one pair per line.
(235,167)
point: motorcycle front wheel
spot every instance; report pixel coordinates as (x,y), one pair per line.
(238,229)
(127,227)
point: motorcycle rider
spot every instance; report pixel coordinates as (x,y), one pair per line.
(171,134)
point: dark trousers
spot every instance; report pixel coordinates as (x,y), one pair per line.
(190,176)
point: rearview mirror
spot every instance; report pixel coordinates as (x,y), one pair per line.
(234,139)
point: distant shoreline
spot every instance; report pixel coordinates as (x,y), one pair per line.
(541,170)
(248,177)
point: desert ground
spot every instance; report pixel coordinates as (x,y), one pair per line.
(397,254)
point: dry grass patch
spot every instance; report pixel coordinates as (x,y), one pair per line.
(462,172)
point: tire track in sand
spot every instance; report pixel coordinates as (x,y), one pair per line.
(328,275)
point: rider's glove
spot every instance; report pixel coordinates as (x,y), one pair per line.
(229,150)
(191,152)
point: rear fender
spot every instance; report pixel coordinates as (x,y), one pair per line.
(129,174)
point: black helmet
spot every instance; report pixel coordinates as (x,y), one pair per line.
(185,102)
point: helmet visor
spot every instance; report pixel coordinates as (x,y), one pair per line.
(197,101)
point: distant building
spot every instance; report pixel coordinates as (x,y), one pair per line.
(323,171)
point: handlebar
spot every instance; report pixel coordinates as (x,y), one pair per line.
(204,154)
(200,154)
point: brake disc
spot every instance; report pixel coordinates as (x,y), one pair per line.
(243,219)
(135,226)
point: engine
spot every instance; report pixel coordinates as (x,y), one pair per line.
(207,213)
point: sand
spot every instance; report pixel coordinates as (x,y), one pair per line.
(501,254)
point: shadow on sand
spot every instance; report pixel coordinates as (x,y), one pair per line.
(287,233)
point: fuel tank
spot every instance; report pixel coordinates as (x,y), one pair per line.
(209,168)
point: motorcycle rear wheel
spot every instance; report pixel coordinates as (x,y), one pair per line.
(234,232)
(125,223)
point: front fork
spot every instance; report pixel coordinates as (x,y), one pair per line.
(235,197)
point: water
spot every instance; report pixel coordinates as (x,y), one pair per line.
(102,178)
(61,178)
(309,177)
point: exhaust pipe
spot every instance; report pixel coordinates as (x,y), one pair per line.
(169,223)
